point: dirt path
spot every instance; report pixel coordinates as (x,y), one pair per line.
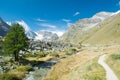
(110,75)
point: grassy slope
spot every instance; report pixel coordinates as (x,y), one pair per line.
(80,66)
(108,32)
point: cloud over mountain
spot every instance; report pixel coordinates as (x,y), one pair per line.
(77,13)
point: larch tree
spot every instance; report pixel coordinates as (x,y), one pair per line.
(15,41)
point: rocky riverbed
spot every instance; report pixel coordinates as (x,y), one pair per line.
(41,70)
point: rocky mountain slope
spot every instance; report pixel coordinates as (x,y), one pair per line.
(79,31)
(106,32)
(4,27)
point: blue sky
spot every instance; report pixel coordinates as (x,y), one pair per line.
(53,14)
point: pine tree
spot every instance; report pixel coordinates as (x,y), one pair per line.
(15,41)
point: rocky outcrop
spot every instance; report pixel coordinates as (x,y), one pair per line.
(36,46)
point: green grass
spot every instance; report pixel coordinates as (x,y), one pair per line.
(7,76)
(16,74)
(54,54)
(37,55)
(113,61)
(115,56)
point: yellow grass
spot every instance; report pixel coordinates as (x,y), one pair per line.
(78,67)
(83,66)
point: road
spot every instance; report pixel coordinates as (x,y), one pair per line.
(110,75)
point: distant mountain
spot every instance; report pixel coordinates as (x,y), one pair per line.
(46,36)
(4,28)
(75,32)
(30,34)
(39,35)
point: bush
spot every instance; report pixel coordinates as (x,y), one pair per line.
(7,76)
(24,68)
(54,54)
(19,73)
(73,50)
(115,56)
(40,54)
(68,53)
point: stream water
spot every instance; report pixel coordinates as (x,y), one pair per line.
(41,70)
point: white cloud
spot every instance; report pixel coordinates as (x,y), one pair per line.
(77,13)
(24,24)
(9,23)
(40,20)
(68,22)
(48,25)
(119,3)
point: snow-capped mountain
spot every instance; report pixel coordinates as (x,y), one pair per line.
(40,35)
(4,28)
(46,36)
(30,34)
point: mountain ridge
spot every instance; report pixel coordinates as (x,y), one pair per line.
(4,28)
(76,32)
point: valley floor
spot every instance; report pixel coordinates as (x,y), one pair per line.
(84,65)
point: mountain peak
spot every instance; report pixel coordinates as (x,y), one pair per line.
(4,27)
(102,15)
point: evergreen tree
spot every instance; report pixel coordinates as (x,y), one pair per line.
(15,41)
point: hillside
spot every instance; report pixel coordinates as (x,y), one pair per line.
(107,32)
(76,31)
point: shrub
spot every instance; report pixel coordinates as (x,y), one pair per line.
(68,53)
(7,76)
(73,50)
(40,54)
(54,54)
(24,68)
(19,73)
(115,56)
